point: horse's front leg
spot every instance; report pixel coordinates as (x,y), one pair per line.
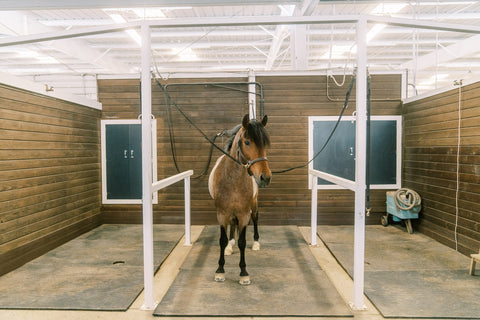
(256,236)
(242,243)
(220,273)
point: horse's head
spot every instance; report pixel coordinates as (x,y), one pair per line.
(252,146)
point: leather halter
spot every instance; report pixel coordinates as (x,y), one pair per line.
(248,163)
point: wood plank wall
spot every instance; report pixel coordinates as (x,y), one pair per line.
(49,174)
(430,165)
(288,103)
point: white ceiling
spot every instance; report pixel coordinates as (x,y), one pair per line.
(433,58)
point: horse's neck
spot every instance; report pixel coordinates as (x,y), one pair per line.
(234,154)
(234,148)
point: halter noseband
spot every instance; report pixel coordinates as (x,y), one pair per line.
(248,163)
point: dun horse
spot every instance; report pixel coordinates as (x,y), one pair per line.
(234,187)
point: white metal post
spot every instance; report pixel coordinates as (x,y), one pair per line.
(146,90)
(187,211)
(360,166)
(252,97)
(313,220)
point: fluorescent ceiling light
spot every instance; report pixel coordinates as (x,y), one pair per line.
(376,29)
(442,3)
(132,33)
(286,10)
(27,53)
(433,79)
(149,13)
(388,8)
(185,54)
(339,52)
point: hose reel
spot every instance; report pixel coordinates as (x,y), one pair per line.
(406,199)
(403,204)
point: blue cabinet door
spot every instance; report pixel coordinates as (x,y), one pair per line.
(124,161)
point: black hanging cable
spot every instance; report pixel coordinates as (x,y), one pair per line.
(211,141)
(367,164)
(170,132)
(172,142)
(345,104)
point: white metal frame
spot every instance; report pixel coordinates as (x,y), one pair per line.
(185,176)
(340,183)
(361,92)
(153,163)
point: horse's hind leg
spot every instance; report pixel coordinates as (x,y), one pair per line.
(231,242)
(220,273)
(242,243)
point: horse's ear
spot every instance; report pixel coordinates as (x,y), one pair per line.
(264,120)
(246,120)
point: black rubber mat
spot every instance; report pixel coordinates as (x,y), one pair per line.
(100,270)
(409,275)
(286,280)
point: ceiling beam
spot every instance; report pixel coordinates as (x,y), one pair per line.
(297,36)
(460,49)
(88,4)
(24,22)
(236,21)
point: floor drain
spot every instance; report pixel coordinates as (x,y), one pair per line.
(118,262)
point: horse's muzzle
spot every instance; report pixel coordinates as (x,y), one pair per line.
(263,180)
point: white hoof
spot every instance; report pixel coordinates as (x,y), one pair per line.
(244,280)
(220,277)
(229,248)
(256,246)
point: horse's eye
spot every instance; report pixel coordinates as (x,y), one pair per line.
(247,143)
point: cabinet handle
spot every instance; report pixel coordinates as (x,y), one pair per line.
(131,154)
(125,154)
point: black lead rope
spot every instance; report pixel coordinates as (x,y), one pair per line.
(345,104)
(211,141)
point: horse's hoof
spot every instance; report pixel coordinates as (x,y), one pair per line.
(256,246)
(245,280)
(220,277)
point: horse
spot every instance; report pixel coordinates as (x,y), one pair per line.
(233,184)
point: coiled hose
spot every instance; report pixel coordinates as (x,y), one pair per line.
(406,199)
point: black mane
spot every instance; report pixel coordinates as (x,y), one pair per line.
(231,134)
(257,133)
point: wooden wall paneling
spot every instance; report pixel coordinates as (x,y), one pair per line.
(49,174)
(288,103)
(430,165)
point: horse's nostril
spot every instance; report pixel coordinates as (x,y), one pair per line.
(265,179)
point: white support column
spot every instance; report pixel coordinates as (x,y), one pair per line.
(149,303)
(360,166)
(299,47)
(313,220)
(252,97)
(187,211)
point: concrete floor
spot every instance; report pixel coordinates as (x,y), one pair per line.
(167,273)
